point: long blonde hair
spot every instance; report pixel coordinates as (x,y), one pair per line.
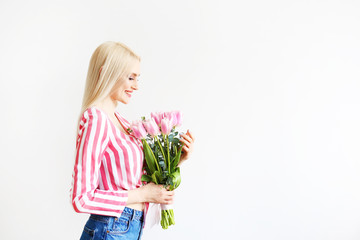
(109,63)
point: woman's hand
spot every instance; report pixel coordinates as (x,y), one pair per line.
(188,140)
(157,194)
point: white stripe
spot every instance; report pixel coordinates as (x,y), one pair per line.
(101,184)
(106,169)
(111,197)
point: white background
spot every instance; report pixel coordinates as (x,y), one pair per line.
(270,90)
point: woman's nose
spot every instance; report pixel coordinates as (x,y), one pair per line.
(135,86)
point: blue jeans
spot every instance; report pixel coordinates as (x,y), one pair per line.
(128,227)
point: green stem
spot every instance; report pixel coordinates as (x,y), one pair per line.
(168,152)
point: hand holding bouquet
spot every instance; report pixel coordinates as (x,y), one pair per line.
(162,150)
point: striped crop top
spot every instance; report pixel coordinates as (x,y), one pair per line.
(108,163)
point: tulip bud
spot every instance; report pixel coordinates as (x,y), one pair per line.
(151,127)
(179,118)
(166,126)
(138,129)
(172,118)
(157,117)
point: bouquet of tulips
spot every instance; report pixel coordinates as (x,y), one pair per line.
(162,151)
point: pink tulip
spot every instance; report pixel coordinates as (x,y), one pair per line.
(167,115)
(151,127)
(171,117)
(157,117)
(138,129)
(166,126)
(179,118)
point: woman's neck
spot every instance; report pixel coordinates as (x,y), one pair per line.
(108,105)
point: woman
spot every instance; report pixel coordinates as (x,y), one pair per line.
(108,164)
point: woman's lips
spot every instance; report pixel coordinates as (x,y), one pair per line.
(128,93)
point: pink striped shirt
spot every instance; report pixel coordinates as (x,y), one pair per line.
(108,163)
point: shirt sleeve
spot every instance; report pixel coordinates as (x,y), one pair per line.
(91,143)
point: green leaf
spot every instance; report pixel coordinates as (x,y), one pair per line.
(175,178)
(170,183)
(146,178)
(157,177)
(171,137)
(154,179)
(149,157)
(176,160)
(162,164)
(175,141)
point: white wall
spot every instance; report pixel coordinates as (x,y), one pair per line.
(270,90)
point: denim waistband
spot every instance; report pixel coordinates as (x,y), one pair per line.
(129,213)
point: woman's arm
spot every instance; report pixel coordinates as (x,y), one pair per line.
(150,193)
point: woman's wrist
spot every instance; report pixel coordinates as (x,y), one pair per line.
(136,196)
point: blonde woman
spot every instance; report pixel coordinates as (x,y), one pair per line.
(106,181)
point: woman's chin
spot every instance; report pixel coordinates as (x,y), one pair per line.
(124,101)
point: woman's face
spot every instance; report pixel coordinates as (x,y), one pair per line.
(124,89)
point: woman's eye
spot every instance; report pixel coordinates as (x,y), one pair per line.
(131,79)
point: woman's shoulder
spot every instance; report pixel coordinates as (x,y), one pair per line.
(95,122)
(93,113)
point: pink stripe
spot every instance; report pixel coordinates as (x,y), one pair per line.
(122,193)
(103,174)
(94,160)
(75,185)
(105,209)
(84,156)
(109,166)
(102,208)
(105,201)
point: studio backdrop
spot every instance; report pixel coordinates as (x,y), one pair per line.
(270,90)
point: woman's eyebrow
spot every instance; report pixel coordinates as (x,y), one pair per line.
(136,74)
